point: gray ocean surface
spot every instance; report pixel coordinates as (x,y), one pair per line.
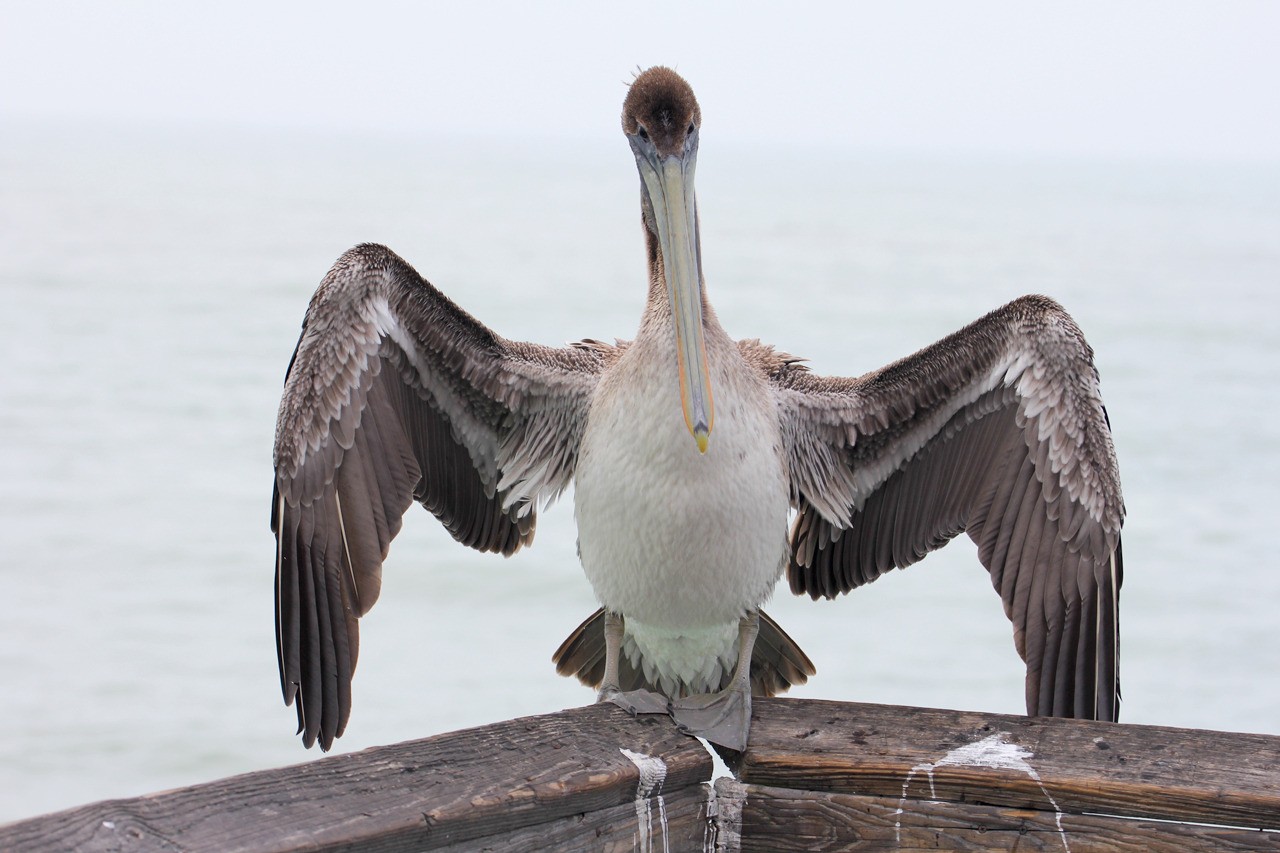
(152,283)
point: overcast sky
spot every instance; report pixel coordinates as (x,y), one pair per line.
(1147,78)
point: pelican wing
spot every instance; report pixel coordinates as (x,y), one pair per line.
(999,431)
(395,394)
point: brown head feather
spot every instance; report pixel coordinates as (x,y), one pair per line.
(662,104)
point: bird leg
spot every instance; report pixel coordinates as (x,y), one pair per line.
(724,718)
(633,701)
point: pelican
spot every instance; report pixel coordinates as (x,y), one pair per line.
(704,469)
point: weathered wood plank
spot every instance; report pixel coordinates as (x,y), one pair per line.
(993,759)
(817,776)
(782,819)
(419,795)
(665,822)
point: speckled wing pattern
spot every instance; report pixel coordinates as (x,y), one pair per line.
(999,431)
(395,394)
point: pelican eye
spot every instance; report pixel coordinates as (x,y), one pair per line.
(642,133)
(691,129)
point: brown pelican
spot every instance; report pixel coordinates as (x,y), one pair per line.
(688,451)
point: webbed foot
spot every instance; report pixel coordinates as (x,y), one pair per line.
(723,718)
(636,701)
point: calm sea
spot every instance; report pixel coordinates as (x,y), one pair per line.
(151,287)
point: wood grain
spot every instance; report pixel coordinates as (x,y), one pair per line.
(816,776)
(1109,768)
(781,819)
(418,795)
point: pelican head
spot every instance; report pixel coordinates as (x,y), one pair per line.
(661,119)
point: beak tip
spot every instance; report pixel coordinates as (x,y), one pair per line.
(702,435)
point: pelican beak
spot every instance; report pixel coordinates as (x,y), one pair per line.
(668,185)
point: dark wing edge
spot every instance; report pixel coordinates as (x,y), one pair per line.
(394,394)
(997,430)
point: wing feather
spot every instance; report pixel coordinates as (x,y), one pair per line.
(396,395)
(999,431)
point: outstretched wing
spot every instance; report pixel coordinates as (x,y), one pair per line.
(999,431)
(395,394)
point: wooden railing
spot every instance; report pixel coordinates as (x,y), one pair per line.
(815,776)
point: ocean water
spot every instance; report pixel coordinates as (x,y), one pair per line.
(152,282)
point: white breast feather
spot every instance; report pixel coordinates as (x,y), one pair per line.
(681,543)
